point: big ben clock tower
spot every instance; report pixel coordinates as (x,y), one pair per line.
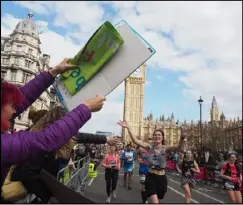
(133,103)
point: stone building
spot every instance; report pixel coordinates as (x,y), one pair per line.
(218,133)
(133,112)
(21,60)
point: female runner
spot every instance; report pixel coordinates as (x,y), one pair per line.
(232,176)
(112,166)
(156,181)
(188,167)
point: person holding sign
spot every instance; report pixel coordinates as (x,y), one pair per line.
(112,166)
(156,181)
(24,146)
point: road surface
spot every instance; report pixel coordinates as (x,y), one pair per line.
(97,191)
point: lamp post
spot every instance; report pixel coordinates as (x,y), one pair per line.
(177,125)
(200,101)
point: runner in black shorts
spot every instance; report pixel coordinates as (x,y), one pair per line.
(188,167)
(156,181)
(232,176)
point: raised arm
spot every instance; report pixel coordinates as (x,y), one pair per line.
(140,143)
(32,91)
(34,88)
(88,138)
(24,146)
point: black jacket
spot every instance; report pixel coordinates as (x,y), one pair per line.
(87,138)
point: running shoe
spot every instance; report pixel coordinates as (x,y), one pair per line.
(113,195)
(108,200)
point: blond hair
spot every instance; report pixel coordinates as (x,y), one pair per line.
(49,118)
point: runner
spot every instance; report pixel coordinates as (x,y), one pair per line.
(142,156)
(232,176)
(188,167)
(156,181)
(128,164)
(112,166)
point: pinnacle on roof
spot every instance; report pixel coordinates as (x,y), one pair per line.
(27,26)
(214,102)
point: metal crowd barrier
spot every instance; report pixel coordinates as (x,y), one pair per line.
(78,179)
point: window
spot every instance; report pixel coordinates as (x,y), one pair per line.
(16,61)
(5,61)
(24,25)
(3,75)
(28,63)
(19,117)
(25,77)
(13,75)
(30,51)
(19,48)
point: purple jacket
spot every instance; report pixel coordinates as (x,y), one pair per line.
(24,146)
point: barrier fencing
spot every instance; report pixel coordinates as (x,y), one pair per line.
(76,180)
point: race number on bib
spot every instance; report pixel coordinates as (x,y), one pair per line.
(229,185)
(142,178)
(113,164)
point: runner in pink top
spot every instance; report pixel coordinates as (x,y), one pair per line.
(112,166)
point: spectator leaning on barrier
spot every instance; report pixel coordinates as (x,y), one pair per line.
(24,146)
(53,162)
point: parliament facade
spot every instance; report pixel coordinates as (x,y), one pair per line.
(219,133)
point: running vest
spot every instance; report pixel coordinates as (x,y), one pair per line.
(186,168)
(228,170)
(157,160)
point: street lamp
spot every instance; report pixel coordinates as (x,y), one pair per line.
(200,101)
(177,125)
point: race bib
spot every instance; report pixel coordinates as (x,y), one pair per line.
(188,174)
(113,164)
(229,185)
(142,178)
(129,158)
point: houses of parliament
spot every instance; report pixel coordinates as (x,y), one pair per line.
(217,134)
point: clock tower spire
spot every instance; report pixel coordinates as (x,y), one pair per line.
(134,103)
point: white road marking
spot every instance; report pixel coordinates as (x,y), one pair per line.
(210,197)
(183,195)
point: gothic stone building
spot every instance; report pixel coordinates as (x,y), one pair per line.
(218,133)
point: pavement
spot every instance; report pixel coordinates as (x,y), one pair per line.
(202,194)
